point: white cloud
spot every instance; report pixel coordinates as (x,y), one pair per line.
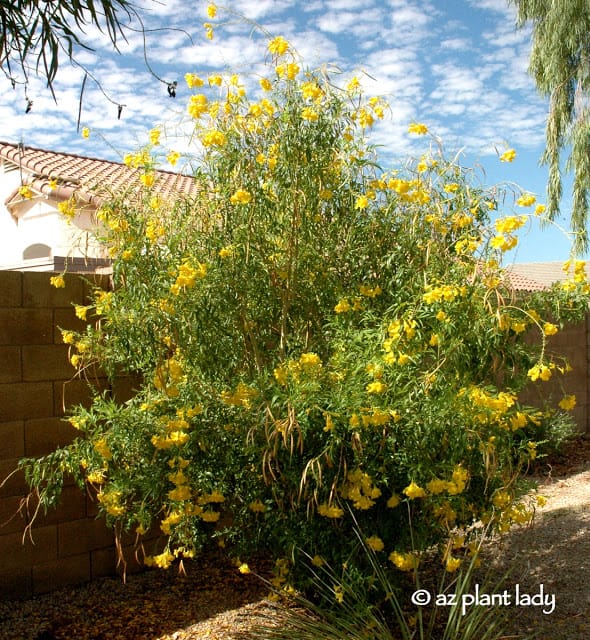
(456,44)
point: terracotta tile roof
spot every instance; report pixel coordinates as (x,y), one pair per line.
(536,276)
(520,282)
(87,177)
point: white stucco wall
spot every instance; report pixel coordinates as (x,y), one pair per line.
(38,221)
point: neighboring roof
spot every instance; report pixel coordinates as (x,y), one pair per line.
(86,177)
(537,276)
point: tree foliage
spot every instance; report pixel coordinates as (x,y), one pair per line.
(560,65)
(35,33)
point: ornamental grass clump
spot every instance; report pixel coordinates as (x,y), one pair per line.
(314,335)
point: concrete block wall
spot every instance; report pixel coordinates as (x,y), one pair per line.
(68,545)
(572,343)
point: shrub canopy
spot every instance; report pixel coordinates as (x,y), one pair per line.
(321,344)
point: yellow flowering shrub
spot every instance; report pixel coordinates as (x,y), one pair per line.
(319,341)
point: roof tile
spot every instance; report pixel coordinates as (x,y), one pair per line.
(89,178)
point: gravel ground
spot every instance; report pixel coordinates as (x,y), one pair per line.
(215,602)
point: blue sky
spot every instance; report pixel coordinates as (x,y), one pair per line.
(459,66)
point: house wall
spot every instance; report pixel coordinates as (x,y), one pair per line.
(68,545)
(38,221)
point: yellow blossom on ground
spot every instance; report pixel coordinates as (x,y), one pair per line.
(318,561)
(541,501)
(244,568)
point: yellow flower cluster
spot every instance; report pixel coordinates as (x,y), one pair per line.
(346,304)
(453,487)
(567,403)
(58,282)
(510,223)
(376,417)
(241,196)
(161,561)
(414,491)
(498,404)
(181,490)
(539,372)
(330,511)
(111,502)
(173,439)
(446,293)
(404,561)
(375,543)
(376,387)
(103,448)
(359,488)
(370,292)
(67,208)
(241,397)
(214,138)
(308,364)
(526,200)
(418,128)
(505,240)
(187,276)
(579,269)
(508,156)
(198,106)
(25,191)
(278,46)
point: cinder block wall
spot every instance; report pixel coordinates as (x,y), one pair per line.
(573,344)
(68,545)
